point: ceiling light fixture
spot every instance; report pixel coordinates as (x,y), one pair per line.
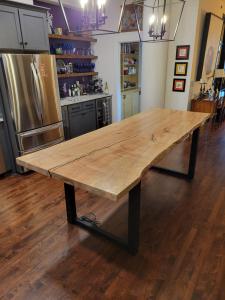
(160,25)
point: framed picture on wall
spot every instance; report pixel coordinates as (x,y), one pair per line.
(183,52)
(129,20)
(179,85)
(180,69)
(210,46)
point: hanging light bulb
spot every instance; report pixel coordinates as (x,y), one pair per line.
(164,19)
(152,19)
(83,3)
(101,3)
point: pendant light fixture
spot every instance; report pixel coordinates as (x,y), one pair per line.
(157,22)
(163,21)
(93,14)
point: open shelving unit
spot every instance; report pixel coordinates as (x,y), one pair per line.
(129,64)
(75,56)
(72,38)
(70,75)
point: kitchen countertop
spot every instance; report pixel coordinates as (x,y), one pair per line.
(74,100)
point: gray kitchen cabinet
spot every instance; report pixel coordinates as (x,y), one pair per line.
(82,118)
(34,30)
(10,33)
(66,125)
(23,27)
(5,158)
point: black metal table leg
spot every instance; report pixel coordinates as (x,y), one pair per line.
(70,203)
(132,243)
(134,219)
(193,154)
(192,160)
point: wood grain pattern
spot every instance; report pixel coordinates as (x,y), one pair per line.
(72,38)
(182,228)
(69,75)
(110,161)
(205,106)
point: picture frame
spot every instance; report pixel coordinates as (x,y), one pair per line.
(180,69)
(129,22)
(179,85)
(211,37)
(183,52)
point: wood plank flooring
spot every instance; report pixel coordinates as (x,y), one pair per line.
(182,240)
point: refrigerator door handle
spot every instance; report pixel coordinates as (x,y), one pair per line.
(37,88)
(40,87)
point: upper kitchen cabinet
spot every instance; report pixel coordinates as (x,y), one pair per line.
(23,27)
(34,30)
(10,33)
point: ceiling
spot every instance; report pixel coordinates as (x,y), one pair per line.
(73,3)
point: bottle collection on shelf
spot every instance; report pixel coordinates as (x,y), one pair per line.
(77,89)
(77,67)
(68,48)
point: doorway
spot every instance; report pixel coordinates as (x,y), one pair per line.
(130,78)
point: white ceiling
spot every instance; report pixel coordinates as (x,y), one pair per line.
(73,3)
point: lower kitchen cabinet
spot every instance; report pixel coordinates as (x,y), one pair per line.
(84,117)
(5,158)
(66,125)
(130,104)
(79,119)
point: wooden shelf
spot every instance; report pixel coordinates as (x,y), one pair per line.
(129,89)
(75,56)
(70,75)
(129,54)
(128,75)
(72,38)
(130,65)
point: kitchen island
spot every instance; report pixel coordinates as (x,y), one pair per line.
(111,161)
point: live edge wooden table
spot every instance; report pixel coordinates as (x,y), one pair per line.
(111,162)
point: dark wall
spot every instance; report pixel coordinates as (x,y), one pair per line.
(73,15)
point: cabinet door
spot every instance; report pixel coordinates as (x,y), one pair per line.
(10,34)
(34,30)
(127,106)
(5,160)
(136,102)
(81,121)
(65,122)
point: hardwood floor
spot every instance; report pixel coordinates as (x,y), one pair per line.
(182,241)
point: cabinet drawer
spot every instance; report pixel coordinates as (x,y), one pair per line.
(89,105)
(75,108)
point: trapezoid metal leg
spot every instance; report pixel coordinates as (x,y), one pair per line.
(132,243)
(192,161)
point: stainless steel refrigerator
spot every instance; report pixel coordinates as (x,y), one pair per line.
(31,102)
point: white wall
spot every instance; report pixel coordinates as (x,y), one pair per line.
(217,7)
(154,69)
(185,36)
(154,64)
(108,51)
